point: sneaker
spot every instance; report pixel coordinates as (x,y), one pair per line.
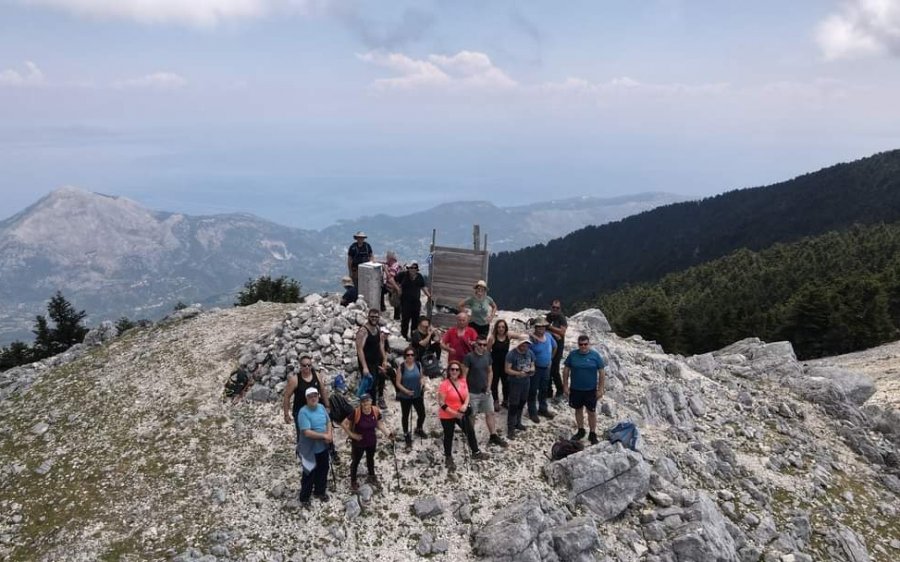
(511,434)
(322,497)
(408,440)
(521,427)
(534,418)
(593,438)
(421,433)
(354,485)
(579,435)
(451,466)
(480,455)
(495,439)
(496,406)
(547,414)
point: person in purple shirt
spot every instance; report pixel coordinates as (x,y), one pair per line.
(361,426)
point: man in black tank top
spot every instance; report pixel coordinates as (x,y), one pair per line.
(370,354)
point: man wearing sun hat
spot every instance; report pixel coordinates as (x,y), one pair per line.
(411,284)
(519,371)
(358,253)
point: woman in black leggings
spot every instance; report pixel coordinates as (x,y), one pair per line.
(410,391)
(453,400)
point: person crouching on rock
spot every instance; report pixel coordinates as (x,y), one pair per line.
(361,426)
(315,434)
(453,400)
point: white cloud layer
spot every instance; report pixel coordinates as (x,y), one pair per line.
(32,76)
(199,13)
(464,70)
(160,81)
(863,28)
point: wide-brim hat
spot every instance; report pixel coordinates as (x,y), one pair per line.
(346,280)
(360,234)
(481,283)
(540,321)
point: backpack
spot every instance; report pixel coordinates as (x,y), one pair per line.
(339,383)
(563,448)
(626,433)
(237,381)
(340,408)
(431,365)
(365,385)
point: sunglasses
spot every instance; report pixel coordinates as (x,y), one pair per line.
(409,354)
(481,343)
(584,343)
(554,308)
(452,369)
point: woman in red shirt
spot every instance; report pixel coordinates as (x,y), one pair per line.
(453,399)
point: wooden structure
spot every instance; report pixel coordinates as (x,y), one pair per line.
(452,274)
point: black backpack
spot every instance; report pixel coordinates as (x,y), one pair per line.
(431,365)
(236,383)
(340,407)
(565,447)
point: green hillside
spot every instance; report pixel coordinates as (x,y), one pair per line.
(645,247)
(830,294)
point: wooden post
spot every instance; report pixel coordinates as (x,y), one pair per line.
(476,237)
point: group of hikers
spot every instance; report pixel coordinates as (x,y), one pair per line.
(488,368)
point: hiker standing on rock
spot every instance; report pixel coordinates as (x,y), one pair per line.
(296,388)
(411,393)
(482,308)
(358,253)
(453,403)
(557,328)
(390,268)
(361,426)
(458,341)
(519,370)
(478,373)
(370,354)
(543,346)
(412,285)
(586,368)
(314,428)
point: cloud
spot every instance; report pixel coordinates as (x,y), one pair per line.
(198,13)
(31,77)
(863,28)
(160,81)
(629,86)
(375,35)
(464,70)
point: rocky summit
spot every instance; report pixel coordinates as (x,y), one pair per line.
(124,449)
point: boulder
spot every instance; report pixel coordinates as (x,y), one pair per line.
(523,532)
(603,478)
(103,333)
(593,319)
(857,387)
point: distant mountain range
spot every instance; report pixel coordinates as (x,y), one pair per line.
(112,257)
(647,246)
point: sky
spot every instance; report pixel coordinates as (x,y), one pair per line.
(309,111)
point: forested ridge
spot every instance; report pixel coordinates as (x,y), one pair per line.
(831,294)
(647,246)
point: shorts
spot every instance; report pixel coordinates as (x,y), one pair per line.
(481,403)
(583,399)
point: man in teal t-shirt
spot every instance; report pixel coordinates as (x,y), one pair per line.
(586,368)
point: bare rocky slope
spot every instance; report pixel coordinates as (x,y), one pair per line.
(124,450)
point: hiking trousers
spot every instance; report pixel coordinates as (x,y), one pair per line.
(356,454)
(449,427)
(555,376)
(537,392)
(316,480)
(410,312)
(406,407)
(515,401)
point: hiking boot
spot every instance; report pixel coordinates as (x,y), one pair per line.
(593,438)
(420,433)
(520,427)
(448,462)
(304,504)
(579,435)
(480,455)
(495,439)
(496,406)
(534,418)
(381,403)
(504,405)
(354,485)
(511,434)
(547,414)
(407,438)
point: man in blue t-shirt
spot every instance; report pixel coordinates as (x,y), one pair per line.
(586,368)
(543,346)
(315,437)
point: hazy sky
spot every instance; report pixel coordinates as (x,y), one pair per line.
(304,111)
